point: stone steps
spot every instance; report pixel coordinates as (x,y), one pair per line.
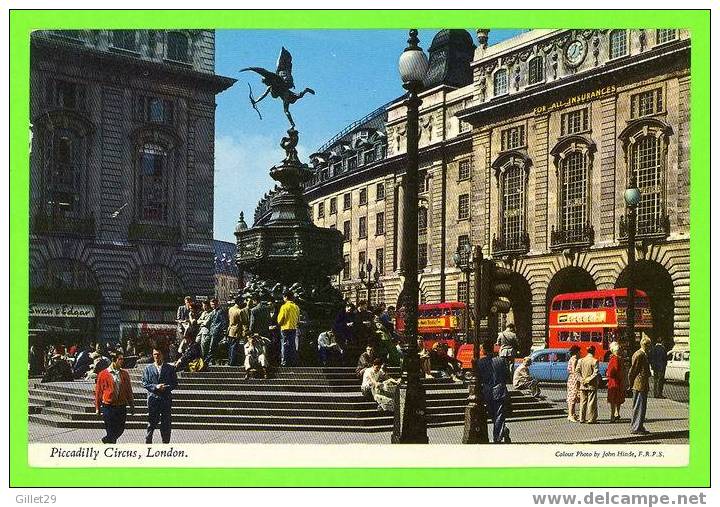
(297,399)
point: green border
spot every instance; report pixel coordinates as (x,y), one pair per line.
(696,474)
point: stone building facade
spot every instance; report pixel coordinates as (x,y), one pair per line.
(121,177)
(529,159)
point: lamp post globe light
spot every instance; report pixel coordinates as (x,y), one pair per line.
(464,262)
(369,279)
(410,424)
(632,199)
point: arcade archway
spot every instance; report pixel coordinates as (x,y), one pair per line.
(520,312)
(569,279)
(652,278)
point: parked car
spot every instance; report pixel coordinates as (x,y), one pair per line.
(678,365)
(550,365)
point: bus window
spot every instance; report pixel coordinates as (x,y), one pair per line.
(686,356)
(542,358)
(575,304)
(574,336)
(566,304)
(609,303)
(563,336)
(621,301)
(587,303)
(597,303)
(556,305)
(641,302)
(585,336)
(596,336)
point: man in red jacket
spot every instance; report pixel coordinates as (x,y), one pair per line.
(113,393)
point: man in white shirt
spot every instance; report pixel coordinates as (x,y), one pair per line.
(377,386)
(328,348)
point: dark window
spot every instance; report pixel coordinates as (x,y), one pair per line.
(321,210)
(573,192)
(512,138)
(333,205)
(67,274)
(153,183)
(587,303)
(346,230)
(665,35)
(352,163)
(380,191)
(513,205)
(422,220)
(556,305)
(361,263)
(574,122)
(347,201)
(380,260)
(536,70)
(422,255)
(362,227)
(646,160)
(369,157)
(178,47)
(380,223)
(65,94)
(363,196)
(500,82)
(464,169)
(618,44)
(346,267)
(125,39)
(64,171)
(337,169)
(463,206)
(646,103)
(155,110)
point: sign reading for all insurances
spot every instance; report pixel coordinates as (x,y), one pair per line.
(62,311)
(580,317)
(577,99)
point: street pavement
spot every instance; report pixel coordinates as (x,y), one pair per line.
(667,421)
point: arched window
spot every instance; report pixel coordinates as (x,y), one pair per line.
(536,70)
(64,169)
(573,184)
(178,47)
(618,44)
(500,82)
(646,162)
(512,218)
(153,184)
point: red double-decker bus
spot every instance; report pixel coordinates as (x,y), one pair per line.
(439,322)
(595,318)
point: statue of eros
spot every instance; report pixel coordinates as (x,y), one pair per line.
(279,84)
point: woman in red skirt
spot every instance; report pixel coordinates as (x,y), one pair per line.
(615,383)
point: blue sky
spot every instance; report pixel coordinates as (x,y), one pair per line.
(352,71)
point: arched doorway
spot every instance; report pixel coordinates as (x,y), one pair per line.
(652,278)
(569,279)
(520,312)
(64,304)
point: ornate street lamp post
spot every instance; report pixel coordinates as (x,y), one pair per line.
(463,261)
(410,424)
(632,199)
(369,279)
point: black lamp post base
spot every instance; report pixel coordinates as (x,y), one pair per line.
(410,425)
(476,431)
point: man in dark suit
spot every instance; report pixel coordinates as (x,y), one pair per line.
(490,372)
(159,379)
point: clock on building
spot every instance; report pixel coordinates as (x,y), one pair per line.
(575,52)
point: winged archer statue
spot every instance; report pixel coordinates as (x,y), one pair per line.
(279,85)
